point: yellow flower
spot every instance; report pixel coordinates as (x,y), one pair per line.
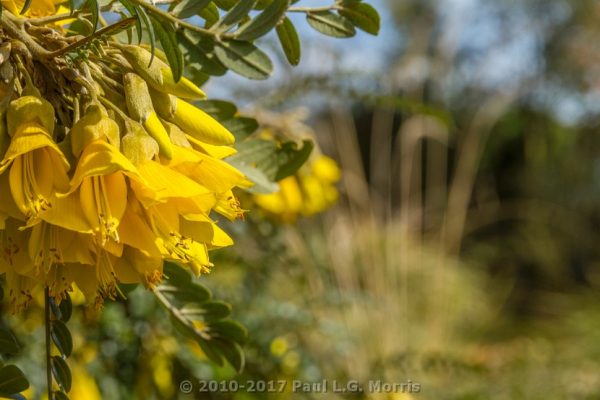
(162,223)
(84,385)
(142,111)
(100,177)
(142,189)
(95,124)
(191,119)
(38,8)
(158,74)
(37,169)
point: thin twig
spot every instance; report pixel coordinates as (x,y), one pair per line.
(314,9)
(176,21)
(57,18)
(104,31)
(14,28)
(177,313)
(48,344)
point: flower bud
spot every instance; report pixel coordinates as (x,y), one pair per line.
(191,119)
(158,74)
(136,145)
(141,110)
(177,136)
(95,124)
(30,109)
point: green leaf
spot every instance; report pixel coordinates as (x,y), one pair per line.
(187,328)
(60,396)
(226,332)
(133,11)
(61,372)
(275,162)
(188,294)
(226,4)
(210,351)
(262,4)
(175,274)
(237,13)
(291,158)
(8,342)
(262,183)
(200,53)
(150,28)
(331,24)
(62,337)
(241,127)
(189,8)
(95,11)
(260,153)
(264,22)
(210,15)
(218,109)
(180,286)
(228,329)
(12,380)
(165,32)
(66,308)
(209,311)
(26,6)
(290,42)
(196,76)
(363,16)
(232,352)
(244,58)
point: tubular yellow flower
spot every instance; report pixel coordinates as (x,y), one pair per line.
(218,152)
(158,74)
(162,222)
(216,175)
(20,290)
(100,178)
(191,119)
(135,267)
(136,145)
(17,265)
(30,109)
(38,8)
(95,124)
(228,206)
(325,169)
(140,108)
(52,249)
(37,169)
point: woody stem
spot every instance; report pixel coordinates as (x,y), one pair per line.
(48,343)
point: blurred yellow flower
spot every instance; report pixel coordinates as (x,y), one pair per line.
(310,191)
(84,386)
(38,8)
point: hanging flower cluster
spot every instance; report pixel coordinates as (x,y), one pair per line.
(309,191)
(106,170)
(312,188)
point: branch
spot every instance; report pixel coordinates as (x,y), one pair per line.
(104,31)
(176,21)
(14,27)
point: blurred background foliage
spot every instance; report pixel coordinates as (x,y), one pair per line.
(463,251)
